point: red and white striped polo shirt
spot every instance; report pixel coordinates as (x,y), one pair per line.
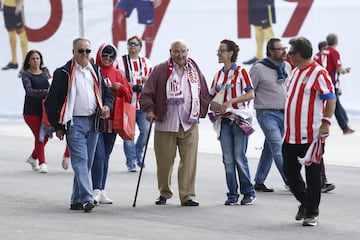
(307,92)
(134,69)
(240,80)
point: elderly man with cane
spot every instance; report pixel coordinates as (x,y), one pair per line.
(175,96)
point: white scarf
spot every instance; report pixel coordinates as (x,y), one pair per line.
(67,109)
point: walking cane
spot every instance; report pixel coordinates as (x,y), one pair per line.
(142,165)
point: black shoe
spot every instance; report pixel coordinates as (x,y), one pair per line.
(88,206)
(262,187)
(10,66)
(251,61)
(160,201)
(76,206)
(327,187)
(231,202)
(301,213)
(190,203)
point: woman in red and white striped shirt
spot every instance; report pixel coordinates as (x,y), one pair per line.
(233,121)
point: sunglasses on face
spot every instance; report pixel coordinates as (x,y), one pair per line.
(111,56)
(82,51)
(132,44)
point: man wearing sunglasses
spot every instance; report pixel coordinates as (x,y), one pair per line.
(136,68)
(77,103)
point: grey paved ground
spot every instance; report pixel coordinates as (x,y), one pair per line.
(36,206)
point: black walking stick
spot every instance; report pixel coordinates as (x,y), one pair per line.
(142,165)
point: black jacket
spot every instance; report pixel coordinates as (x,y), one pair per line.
(59,90)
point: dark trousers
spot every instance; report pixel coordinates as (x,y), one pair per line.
(340,114)
(308,194)
(323,173)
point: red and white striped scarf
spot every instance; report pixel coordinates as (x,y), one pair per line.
(314,152)
(174,91)
(67,109)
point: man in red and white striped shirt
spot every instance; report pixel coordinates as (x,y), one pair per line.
(136,68)
(329,58)
(309,106)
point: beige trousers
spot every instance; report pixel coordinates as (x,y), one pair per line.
(165,146)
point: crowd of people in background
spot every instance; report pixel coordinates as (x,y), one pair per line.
(295,96)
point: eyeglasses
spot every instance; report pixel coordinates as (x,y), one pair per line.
(82,51)
(220,51)
(177,53)
(111,56)
(133,44)
(280,49)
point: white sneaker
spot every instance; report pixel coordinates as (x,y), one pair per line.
(65,163)
(43,168)
(104,199)
(34,163)
(97,196)
(310,221)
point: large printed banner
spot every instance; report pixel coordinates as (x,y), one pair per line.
(293,27)
(51,25)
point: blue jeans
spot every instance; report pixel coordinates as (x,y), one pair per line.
(272,125)
(234,145)
(134,151)
(81,139)
(99,168)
